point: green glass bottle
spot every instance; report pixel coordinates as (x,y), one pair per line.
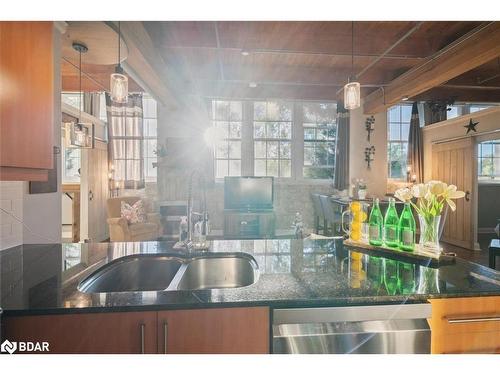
(391,223)
(391,280)
(375,223)
(375,271)
(407,277)
(406,229)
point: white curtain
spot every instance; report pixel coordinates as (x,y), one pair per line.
(126,140)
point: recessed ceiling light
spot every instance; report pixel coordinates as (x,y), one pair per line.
(252,85)
(404,98)
(244,52)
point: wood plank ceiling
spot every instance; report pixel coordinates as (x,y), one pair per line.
(297,60)
(307,60)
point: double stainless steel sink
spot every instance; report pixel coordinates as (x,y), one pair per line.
(157,272)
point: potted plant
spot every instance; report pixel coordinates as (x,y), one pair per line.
(431,198)
(161,153)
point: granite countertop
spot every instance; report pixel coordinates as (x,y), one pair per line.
(43,279)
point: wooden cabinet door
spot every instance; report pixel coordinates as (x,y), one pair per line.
(452,163)
(99,333)
(214,331)
(465,325)
(27,97)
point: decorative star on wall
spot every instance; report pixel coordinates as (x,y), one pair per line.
(471,126)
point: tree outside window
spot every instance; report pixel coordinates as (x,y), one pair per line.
(398,127)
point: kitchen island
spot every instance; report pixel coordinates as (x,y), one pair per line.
(41,281)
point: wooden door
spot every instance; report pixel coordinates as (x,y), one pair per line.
(214,331)
(99,333)
(26,100)
(452,162)
(94,193)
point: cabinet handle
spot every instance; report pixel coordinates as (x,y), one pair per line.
(143,326)
(165,337)
(473,320)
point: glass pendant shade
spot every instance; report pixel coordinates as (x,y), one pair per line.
(352,95)
(119,88)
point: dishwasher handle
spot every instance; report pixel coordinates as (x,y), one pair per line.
(351,313)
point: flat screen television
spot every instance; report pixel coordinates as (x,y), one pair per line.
(248,193)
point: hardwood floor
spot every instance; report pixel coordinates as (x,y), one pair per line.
(480,257)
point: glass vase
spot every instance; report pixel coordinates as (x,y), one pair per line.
(430,232)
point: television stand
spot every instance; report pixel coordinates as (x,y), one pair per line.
(248,224)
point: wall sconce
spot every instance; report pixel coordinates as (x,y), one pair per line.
(369,155)
(369,126)
(114,187)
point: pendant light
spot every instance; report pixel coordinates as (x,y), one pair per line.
(119,81)
(80,135)
(352,90)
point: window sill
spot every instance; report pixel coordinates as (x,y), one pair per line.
(291,181)
(487,182)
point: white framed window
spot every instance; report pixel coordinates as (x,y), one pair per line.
(150,123)
(227,119)
(398,128)
(479,107)
(489,161)
(453,111)
(272,134)
(103,113)
(319,122)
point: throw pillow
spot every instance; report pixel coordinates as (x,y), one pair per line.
(133,213)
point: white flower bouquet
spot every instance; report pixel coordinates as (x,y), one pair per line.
(431,199)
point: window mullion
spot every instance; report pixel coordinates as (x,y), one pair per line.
(297,146)
(247,141)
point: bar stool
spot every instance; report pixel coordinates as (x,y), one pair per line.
(494,251)
(319,217)
(329,212)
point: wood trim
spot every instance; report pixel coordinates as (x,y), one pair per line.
(70,188)
(23,174)
(472,50)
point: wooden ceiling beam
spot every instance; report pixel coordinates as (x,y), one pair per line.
(461,94)
(468,52)
(270,51)
(237,90)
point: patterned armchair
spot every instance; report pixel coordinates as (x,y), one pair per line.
(120,230)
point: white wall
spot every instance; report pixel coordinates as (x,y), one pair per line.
(11,200)
(376,176)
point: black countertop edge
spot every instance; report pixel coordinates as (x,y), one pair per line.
(340,302)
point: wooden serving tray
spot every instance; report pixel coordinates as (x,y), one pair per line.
(418,256)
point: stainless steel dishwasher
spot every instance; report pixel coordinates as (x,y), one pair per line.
(379,329)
